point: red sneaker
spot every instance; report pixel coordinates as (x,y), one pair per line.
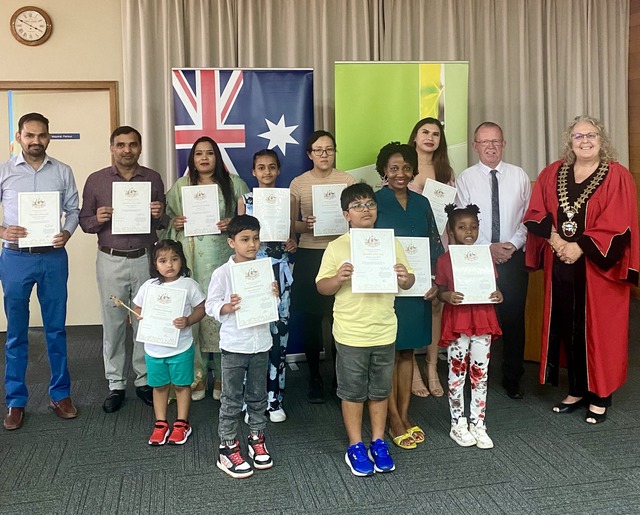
(231,462)
(160,433)
(259,454)
(180,432)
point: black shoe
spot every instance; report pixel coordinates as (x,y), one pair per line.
(114,401)
(513,391)
(563,407)
(315,395)
(146,394)
(597,417)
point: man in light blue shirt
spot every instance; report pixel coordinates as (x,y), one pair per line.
(45,266)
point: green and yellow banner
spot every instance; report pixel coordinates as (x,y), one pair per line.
(380,102)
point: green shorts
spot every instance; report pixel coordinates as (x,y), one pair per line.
(177,370)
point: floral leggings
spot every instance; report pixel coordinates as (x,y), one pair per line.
(473,353)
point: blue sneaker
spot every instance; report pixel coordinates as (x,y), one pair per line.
(379,454)
(358,461)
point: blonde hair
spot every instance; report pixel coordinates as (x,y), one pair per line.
(607,152)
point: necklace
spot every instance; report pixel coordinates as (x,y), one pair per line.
(570,227)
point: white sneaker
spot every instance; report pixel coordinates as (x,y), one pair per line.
(277,415)
(246,417)
(461,435)
(479,432)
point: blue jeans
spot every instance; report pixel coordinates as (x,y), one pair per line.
(19,271)
(236,389)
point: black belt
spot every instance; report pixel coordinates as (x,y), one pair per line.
(30,250)
(129,254)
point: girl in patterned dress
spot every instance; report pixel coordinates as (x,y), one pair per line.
(266,168)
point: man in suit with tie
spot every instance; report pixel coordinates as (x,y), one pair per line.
(501,191)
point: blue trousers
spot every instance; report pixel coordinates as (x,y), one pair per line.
(19,272)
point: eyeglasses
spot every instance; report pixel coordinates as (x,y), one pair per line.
(487,142)
(589,135)
(359,208)
(320,151)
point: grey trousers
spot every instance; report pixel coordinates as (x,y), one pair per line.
(121,277)
(235,391)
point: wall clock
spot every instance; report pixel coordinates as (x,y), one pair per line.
(31,25)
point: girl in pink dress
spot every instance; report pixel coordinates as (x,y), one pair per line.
(467,331)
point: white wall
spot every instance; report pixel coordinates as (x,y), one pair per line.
(85,45)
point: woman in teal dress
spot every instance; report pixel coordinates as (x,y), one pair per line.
(409,214)
(205,253)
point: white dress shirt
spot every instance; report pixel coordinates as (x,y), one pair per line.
(250,340)
(514,186)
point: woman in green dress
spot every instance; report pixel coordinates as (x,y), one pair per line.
(205,253)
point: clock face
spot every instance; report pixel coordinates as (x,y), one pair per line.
(31,26)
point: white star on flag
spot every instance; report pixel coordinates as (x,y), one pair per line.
(279,135)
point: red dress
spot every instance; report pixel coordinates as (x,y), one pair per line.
(469,319)
(610,213)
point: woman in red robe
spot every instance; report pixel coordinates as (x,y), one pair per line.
(583,230)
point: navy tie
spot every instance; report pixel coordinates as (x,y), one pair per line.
(495,208)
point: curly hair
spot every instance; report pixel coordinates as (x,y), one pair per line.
(454,212)
(407,152)
(607,152)
(440,158)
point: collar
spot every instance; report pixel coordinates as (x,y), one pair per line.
(486,170)
(138,173)
(21,160)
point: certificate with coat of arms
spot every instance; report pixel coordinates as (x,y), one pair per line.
(271,206)
(439,196)
(162,305)
(419,257)
(473,273)
(131,202)
(373,255)
(200,206)
(39,214)
(327,209)
(252,281)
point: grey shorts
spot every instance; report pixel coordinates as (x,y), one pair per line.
(364,372)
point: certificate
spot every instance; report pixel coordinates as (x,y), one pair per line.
(39,214)
(327,209)
(373,255)
(252,281)
(131,208)
(200,206)
(419,257)
(162,305)
(272,207)
(439,196)
(473,273)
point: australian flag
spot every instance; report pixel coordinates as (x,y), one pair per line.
(245,111)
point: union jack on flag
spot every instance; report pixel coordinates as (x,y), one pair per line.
(245,111)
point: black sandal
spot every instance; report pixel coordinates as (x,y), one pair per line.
(598,417)
(562,407)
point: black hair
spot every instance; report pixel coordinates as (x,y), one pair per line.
(315,136)
(32,117)
(125,129)
(176,247)
(358,191)
(407,152)
(241,223)
(454,213)
(268,153)
(220,174)
(440,159)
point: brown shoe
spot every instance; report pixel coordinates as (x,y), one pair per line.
(64,408)
(14,419)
